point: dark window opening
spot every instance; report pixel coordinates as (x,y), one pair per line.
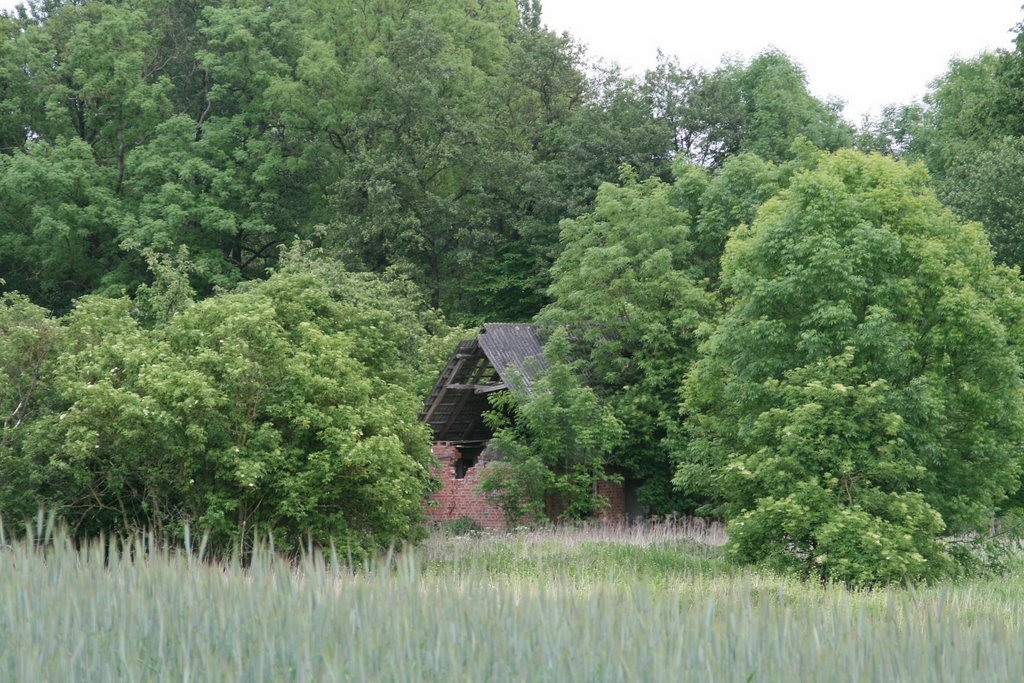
(634,510)
(468,457)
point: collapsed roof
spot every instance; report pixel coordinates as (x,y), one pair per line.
(503,355)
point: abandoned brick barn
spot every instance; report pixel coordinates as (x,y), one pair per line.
(455,409)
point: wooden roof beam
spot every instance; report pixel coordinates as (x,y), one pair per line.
(482,364)
(478,388)
(440,395)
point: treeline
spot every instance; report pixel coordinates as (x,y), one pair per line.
(159,160)
(810,345)
(237,238)
(443,141)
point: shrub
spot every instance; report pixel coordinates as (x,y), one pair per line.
(555,439)
(280,408)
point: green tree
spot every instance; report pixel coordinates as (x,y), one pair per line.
(400,95)
(91,74)
(779,109)
(543,90)
(968,131)
(861,399)
(959,113)
(148,124)
(29,338)
(222,174)
(59,220)
(624,288)
(588,128)
(985,183)
(760,107)
(458,140)
(555,439)
(721,201)
(13,132)
(443,141)
(893,133)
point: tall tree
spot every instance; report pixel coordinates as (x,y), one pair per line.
(969,132)
(624,287)
(760,107)
(59,221)
(861,399)
(168,100)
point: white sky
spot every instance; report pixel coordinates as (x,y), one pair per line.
(869,53)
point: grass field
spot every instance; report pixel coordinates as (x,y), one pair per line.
(571,605)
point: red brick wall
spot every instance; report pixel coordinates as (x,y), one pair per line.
(615,494)
(459,497)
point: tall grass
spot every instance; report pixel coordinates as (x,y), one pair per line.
(516,608)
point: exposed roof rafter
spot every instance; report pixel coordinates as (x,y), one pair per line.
(503,355)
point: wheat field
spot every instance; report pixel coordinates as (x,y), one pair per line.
(570,605)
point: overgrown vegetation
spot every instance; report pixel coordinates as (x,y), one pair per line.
(555,439)
(238,238)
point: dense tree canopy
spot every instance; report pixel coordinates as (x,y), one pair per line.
(759,107)
(862,395)
(624,287)
(637,278)
(442,140)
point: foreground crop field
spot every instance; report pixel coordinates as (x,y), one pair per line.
(555,606)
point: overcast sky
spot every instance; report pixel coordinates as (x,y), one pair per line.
(869,53)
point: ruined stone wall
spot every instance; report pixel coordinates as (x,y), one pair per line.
(615,494)
(460,497)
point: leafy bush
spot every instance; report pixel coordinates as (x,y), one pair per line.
(286,407)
